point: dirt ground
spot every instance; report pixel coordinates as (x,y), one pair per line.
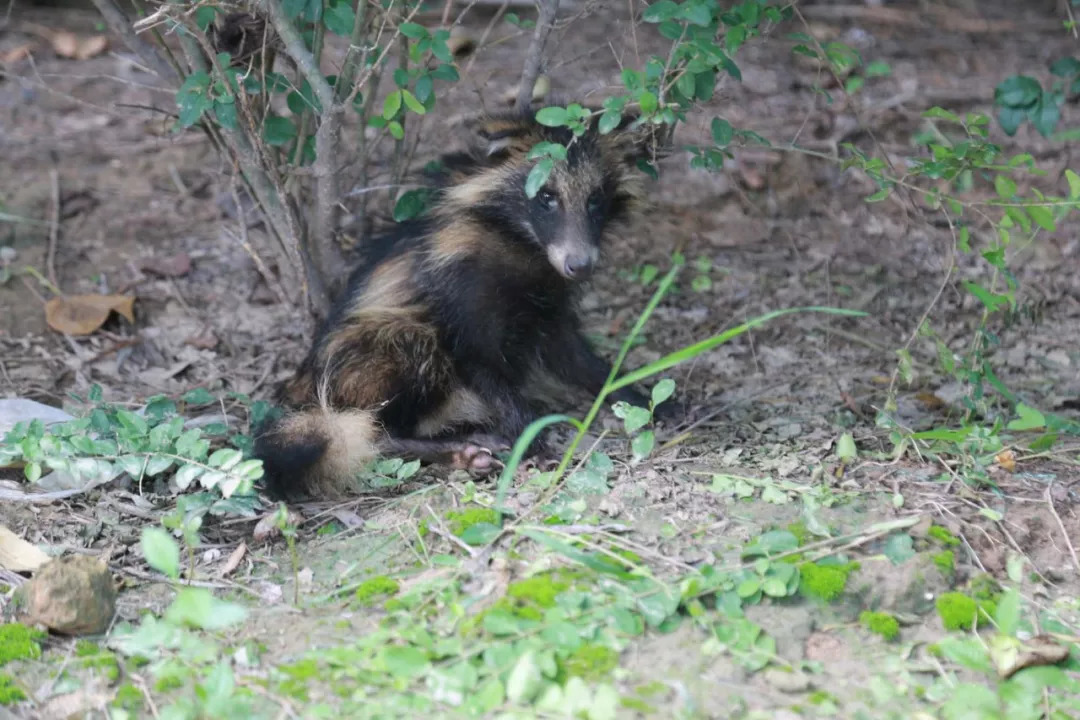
(777,229)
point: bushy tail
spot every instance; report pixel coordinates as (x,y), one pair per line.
(315,452)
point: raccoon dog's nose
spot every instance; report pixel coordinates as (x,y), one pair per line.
(578,267)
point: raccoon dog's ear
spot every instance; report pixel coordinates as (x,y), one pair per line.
(495,137)
(636,139)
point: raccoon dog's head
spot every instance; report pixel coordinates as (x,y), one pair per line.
(593,191)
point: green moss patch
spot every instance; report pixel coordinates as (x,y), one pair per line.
(591,662)
(881,623)
(10,693)
(943,536)
(373,588)
(18,642)
(959,611)
(458,521)
(945,561)
(824,582)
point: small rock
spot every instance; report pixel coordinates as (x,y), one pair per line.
(73,595)
(787,682)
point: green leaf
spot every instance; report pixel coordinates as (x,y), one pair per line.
(412,103)
(525,679)
(396,130)
(225,458)
(205,15)
(1028,418)
(411,204)
(404,661)
(413,31)
(1007,614)
(722,132)
(293,8)
(538,176)
(552,117)
(186,475)
(1074,184)
(340,18)
(391,105)
(609,121)
(480,534)
(198,608)
(1042,217)
(879,195)
(161,551)
(158,464)
(199,396)
(899,548)
(1018,91)
(1010,118)
(845,448)
(1065,67)
(446,72)
(424,87)
(992,301)
(878,68)
(1005,187)
(1045,116)
(662,391)
(642,445)
(32,471)
(634,418)
(966,651)
(278,130)
(660,11)
(648,101)
(942,114)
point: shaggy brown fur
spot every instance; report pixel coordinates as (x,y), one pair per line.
(448,321)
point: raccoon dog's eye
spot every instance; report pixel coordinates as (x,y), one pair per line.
(547,199)
(595,203)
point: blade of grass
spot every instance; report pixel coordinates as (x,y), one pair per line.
(692,351)
(518,453)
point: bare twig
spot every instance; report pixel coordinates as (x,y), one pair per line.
(54,227)
(1064,532)
(531,70)
(151,58)
(319,243)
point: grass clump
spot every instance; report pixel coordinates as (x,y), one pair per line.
(10,693)
(375,587)
(18,642)
(881,623)
(824,582)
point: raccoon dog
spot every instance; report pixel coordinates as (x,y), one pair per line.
(450,319)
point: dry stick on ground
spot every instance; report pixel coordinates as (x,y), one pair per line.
(531,70)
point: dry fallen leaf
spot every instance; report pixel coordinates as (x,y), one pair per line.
(234,559)
(1012,655)
(170,266)
(206,340)
(83,314)
(1006,459)
(930,400)
(69,45)
(17,555)
(17,53)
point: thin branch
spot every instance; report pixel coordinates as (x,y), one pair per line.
(54,227)
(319,246)
(119,24)
(531,70)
